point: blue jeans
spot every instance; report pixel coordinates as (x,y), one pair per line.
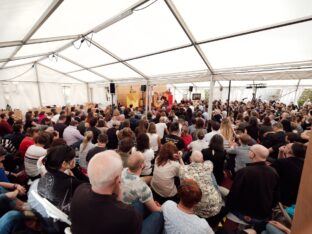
(153,223)
(10,221)
(270,229)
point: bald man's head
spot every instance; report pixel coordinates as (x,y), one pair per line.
(104,168)
(135,161)
(197,157)
(258,153)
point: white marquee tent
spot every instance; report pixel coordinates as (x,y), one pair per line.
(67,51)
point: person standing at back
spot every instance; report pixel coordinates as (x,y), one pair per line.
(95,208)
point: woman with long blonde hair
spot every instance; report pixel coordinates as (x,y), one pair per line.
(227,132)
(85,146)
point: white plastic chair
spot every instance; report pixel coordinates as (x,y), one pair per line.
(51,209)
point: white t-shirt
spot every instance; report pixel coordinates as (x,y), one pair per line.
(153,139)
(163,178)
(148,157)
(198,145)
(32,155)
(179,222)
(209,135)
(160,129)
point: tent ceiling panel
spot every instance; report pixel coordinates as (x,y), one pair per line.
(182,60)
(202,84)
(41,48)
(25,72)
(60,65)
(225,17)
(78,16)
(6,52)
(150,30)
(306,82)
(22,61)
(117,71)
(269,47)
(49,75)
(87,56)
(19,16)
(86,76)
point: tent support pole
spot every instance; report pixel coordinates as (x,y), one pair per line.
(146,97)
(210,101)
(296,93)
(150,98)
(38,84)
(229,96)
(88,92)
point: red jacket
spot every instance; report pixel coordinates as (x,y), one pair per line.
(5,128)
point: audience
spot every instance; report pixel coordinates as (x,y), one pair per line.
(33,153)
(216,154)
(84,149)
(255,189)
(143,146)
(289,170)
(181,217)
(166,168)
(99,147)
(95,208)
(201,172)
(263,152)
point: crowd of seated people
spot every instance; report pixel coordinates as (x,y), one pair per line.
(171,170)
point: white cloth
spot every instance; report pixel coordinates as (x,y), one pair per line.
(148,157)
(209,135)
(160,129)
(153,140)
(198,145)
(163,178)
(179,222)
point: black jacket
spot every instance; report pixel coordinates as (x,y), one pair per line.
(217,158)
(274,140)
(58,188)
(289,170)
(254,191)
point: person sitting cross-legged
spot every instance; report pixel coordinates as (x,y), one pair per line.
(200,171)
(136,192)
(255,190)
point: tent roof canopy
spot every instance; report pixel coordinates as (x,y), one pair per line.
(159,40)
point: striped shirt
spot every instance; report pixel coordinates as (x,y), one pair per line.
(32,155)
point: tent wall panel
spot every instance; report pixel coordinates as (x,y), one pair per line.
(78,94)
(52,94)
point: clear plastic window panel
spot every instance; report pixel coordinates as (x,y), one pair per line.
(210,18)
(283,45)
(146,31)
(79,16)
(183,60)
